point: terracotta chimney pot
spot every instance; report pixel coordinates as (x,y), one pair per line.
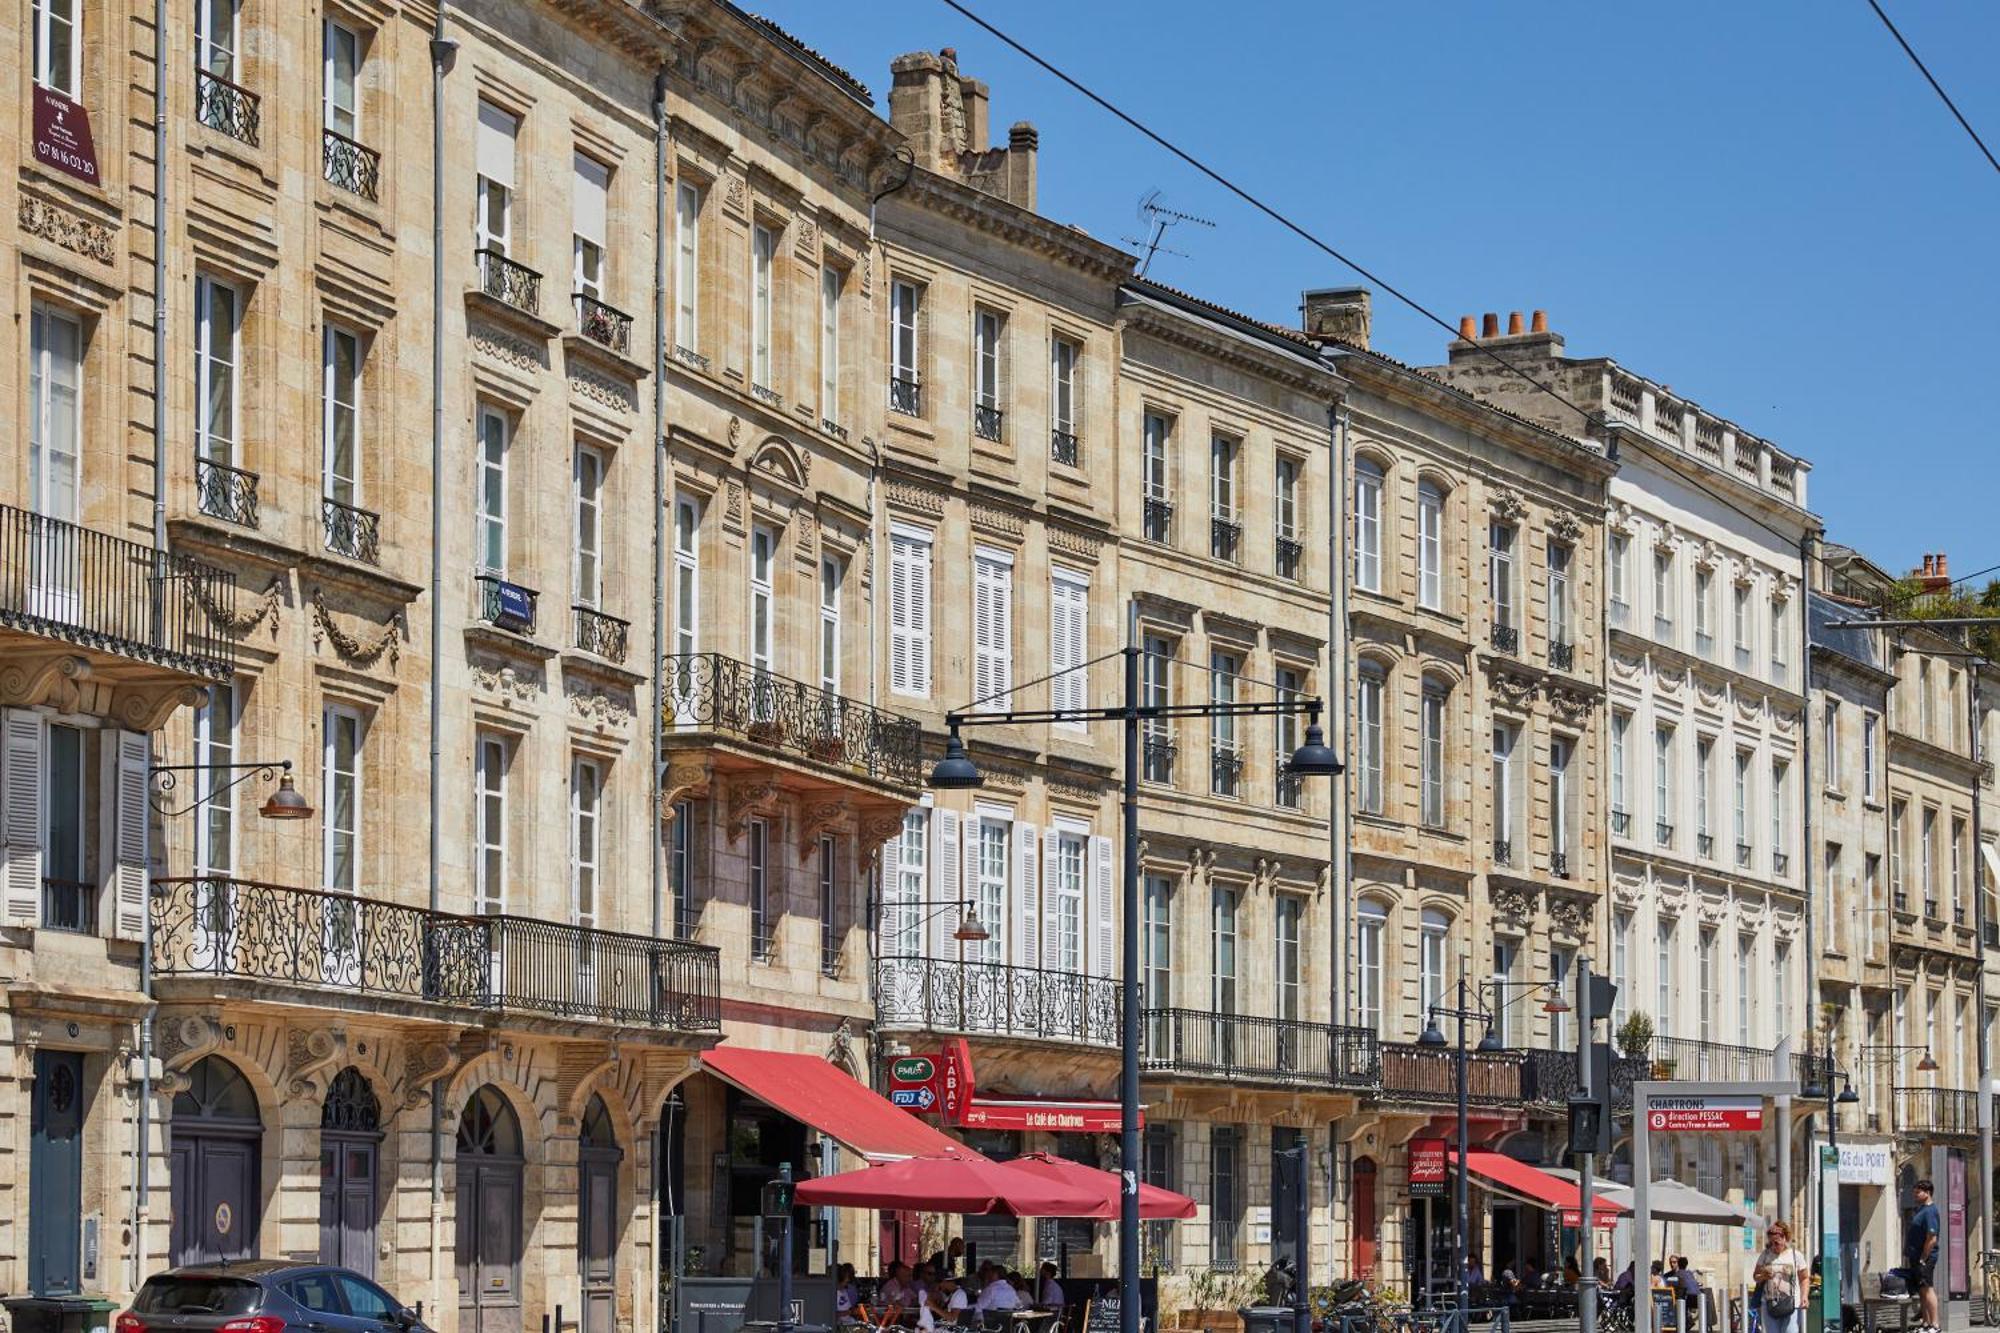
(1489,325)
(1514,323)
(1468,327)
(1540,322)
(1943,566)
(1930,564)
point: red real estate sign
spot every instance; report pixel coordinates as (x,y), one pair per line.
(1673,1115)
(62,135)
(1427,1167)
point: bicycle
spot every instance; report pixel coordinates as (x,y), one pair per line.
(1989,1267)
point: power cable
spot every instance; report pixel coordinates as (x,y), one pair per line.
(1931,79)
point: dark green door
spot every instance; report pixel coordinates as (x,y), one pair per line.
(55,1176)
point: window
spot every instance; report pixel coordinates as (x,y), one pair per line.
(1704,794)
(1897,820)
(1705,989)
(687,574)
(1155,691)
(992,627)
(490,831)
(1368,482)
(1222,950)
(1371,929)
(991,898)
(586,792)
(1746,627)
(1063,920)
(1665,602)
(687,265)
(1430,546)
(1225,1210)
(59,46)
(1505,952)
(1558,591)
(763,612)
(909,612)
(1063,357)
(1663,786)
(1957,859)
(680,868)
(340,421)
(1663,976)
(1368,691)
(67,896)
(1870,722)
(1621,728)
(1069,630)
(1871,870)
(495,431)
(1927,860)
(1619,560)
(1291,966)
(1224,528)
(1500,582)
(1290,685)
(832,575)
(1926,701)
(1433,932)
(1156,947)
(1560,962)
(763,259)
(340,787)
(1503,795)
(1780,639)
(1226,760)
(1831,747)
(1704,612)
(1740,807)
(1746,999)
(590,186)
(217,315)
(905,931)
(1290,554)
(214,750)
(586,499)
(1432,755)
(987,326)
(1621,967)
(1159,509)
(1780,801)
(55,433)
(831,280)
(495,158)
(760,890)
(905,368)
(1561,748)
(829,904)
(340,84)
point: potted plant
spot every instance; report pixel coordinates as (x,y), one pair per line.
(1635,1034)
(1213,1296)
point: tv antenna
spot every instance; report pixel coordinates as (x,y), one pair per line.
(1158,217)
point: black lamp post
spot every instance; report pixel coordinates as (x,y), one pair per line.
(284,803)
(956,772)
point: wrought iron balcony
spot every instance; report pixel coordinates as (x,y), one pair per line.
(986,421)
(1159,518)
(1225,536)
(354,533)
(508,606)
(221,105)
(1416,1073)
(1289,555)
(62,581)
(712,692)
(1559,864)
(1550,1077)
(1503,851)
(600,634)
(1237,1047)
(1781,864)
(69,905)
(236,929)
(1686,1058)
(1063,447)
(1704,844)
(1562,656)
(994,999)
(1225,760)
(687,356)
(1990,933)
(906,396)
(1160,749)
(350,166)
(605,325)
(1663,833)
(1618,611)
(1506,639)
(768,396)
(1290,788)
(1947,1111)
(1900,900)
(1743,851)
(1958,915)
(227,493)
(1621,822)
(505,280)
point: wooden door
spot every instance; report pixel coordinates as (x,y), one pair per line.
(598,1156)
(488,1228)
(1362,1218)
(55,1175)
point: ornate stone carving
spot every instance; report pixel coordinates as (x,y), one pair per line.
(1569,916)
(503,347)
(1078,789)
(749,796)
(1066,541)
(920,498)
(993,519)
(510,683)
(1564,528)
(237,622)
(687,776)
(733,504)
(804,528)
(601,390)
(191,1035)
(309,1053)
(817,818)
(735,431)
(808,237)
(1514,905)
(840,1045)
(350,649)
(1570,705)
(72,231)
(734,194)
(606,709)
(1507,504)
(877,829)
(1513,690)
(1619,517)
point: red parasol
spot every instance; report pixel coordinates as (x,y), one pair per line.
(969,1184)
(1154,1202)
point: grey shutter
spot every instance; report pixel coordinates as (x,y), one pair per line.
(130,866)
(21,816)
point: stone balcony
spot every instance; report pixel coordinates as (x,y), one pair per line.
(1721,444)
(1240,1048)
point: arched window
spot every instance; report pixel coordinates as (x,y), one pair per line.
(1371,931)
(217,1090)
(216,1147)
(597,1131)
(489,1127)
(1371,686)
(1436,697)
(1368,525)
(1433,940)
(350,1104)
(1430,545)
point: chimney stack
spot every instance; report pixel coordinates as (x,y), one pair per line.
(1527,341)
(944,116)
(1468,328)
(1943,566)
(1930,564)
(1339,313)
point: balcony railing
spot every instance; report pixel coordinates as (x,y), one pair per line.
(1663,833)
(709,691)
(354,533)
(1225,535)
(227,493)
(1559,864)
(1159,518)
(1621,822)
(600,634)
(505,280)
(1951,1111)
(1781,864)
(1550,1076)
(1506,639)
(1562,656)
(605,325)
(906,396)
(508,606)
(1415,1073)
(1743,850)
(66,582)
(986,421)
(264,933)
(69,904)
(221,105)
(350,166)
(1685,1058)
(1989,933)
(1503,851)
(1271,1050)
(1063,447)
(765,394)
(1704,845)
(1290,788)
(1160,749)
(1225,762)
(1291,555)
(1032,1003)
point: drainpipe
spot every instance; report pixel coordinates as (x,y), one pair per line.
(1340,799)
(1806,858)
(1983,1102)
(653,823)
(442,50)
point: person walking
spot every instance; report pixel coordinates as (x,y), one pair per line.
(1920,1250)
(1780,1275)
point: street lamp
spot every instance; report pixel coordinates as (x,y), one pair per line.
(955,771)
(283,803)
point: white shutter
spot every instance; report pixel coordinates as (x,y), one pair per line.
(495,149)
(587,198)
(902,652)
(1051,917)
(130,867)
(21,815)
(1102,910)
(992,625)
(1067,621)
(889,889)
(946,887)
(1026,921)
(920,619)
(1003,630)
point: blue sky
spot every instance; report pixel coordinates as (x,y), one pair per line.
(1761,204)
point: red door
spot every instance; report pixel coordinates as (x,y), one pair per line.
(1361,1217)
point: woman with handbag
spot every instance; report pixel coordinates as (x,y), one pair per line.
(1780,1276)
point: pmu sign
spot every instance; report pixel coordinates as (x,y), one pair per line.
(1712,1115)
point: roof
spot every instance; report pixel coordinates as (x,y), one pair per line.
(853,86)
(1296,340)
(810,1090)
(1859,645)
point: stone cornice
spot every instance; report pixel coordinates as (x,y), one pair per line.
(1010,222)
(1195,332)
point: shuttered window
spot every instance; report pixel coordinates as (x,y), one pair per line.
(1069,620)
(590,185)
(992,627)
(910,612)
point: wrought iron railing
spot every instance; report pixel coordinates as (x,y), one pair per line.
(946,995)
(1225,766)
(767,395)
(268,933)
(1160,749)
(1225,535)
(1417,1073)
(225,492)
(605,325)
(354,533)
(1621,822)
(712,692)
(833,428)
(1781,864)
(1289,788)
(906,396)
(1239,1047)
(1291,555)
(687,356)
(1663,833)
(221,105)
(1989,933)
(64,581)
(1562,656)
(1743,850)
(1159,518)
(1951,1111)
(505,280)
(606,636)
(1063,447)
(1506,639)
(350,166)
(986,421)
(1704,845)
(69,905)
(510,606)
(1503,851)
(1559,864)
(1688,1058)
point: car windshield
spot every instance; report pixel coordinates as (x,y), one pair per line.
(196,1294)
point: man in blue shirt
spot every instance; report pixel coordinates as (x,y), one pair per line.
(1920,1249)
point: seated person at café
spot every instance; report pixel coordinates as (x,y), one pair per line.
(950,1292)
(995,1291)
(845,1296)
(897,1288)
(1051,1293)
(947,1260)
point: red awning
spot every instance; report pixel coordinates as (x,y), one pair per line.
(957,1184)
(1532,1185)
(1054,1117)
(1154,1202)
(810,1090)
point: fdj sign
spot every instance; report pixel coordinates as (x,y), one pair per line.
(913,1099)
(913,1069)
(1705,1114)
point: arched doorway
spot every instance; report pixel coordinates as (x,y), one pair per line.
(217,1142)
(1362,1221)
(598,1156)
(489,1215)
(350,1147)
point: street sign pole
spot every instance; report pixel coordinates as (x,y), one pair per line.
(1829,1238)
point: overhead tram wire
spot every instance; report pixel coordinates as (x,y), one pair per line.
(1084,90)
(1931,79)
